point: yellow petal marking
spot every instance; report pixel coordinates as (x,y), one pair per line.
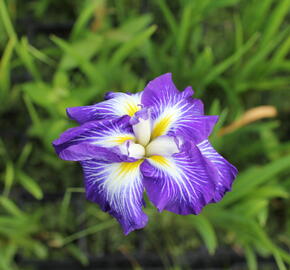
(160,160)
(128,167)
(122,139)
(161,127)
(131,108)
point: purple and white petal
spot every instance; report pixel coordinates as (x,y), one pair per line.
(225,171)
(96,139)
(176,112)
(181,183)
(197,103)
(178,119)
(116,105)
(162,90)
(118,189)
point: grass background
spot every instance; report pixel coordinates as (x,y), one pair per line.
(56,54)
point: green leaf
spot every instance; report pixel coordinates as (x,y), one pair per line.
(5,69)
(275,20)
(220,68)
(10,207)
(249,180)
(24,155)
(9,178)
(7,21)
(250,68)
(269,192)
(22,49)
(279,261)
(279,55)
(250,207)
(78,254)
(271,84)
(251,258)
(65,203)
(184,28)
(206,230)
(31,110)
(90,230)
(168,15)
(122,53)
(202,64)
(261,14)
(92,44)
(37,54)
(85,65)
(85,15)
(30,185)
(40,250)
(131,27)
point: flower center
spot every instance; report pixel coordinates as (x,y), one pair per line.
(148,143)
(161,146)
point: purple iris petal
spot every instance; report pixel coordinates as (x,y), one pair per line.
(187,92)
(95,139)
(225,171)
(118,189)
(116,105)
(162,91)
(176,111)
(181,183)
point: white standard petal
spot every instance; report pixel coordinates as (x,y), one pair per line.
(142,131)
(132,149)
(163,146)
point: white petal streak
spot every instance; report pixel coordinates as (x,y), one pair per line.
(107,135)
(122,104)
(174,114)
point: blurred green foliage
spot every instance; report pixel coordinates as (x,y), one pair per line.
(57,54)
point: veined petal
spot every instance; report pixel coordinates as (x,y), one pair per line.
(181,183)
(118,104)
(225,171)
(187,92)
(161,87)
(163,146)
(118,189)
(95,139)
(178,119)
(176,112)
(162,90)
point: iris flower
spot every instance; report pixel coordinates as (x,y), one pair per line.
(154,141)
